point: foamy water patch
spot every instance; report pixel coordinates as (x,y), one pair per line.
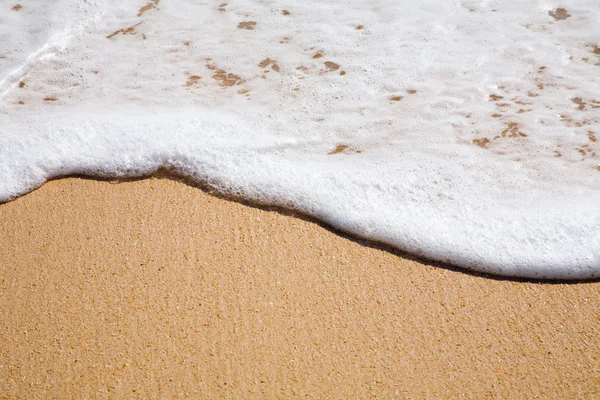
(460,131)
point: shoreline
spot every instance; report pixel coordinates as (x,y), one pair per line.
(151,287)
(163,174)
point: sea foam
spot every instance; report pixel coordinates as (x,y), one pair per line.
(460,131)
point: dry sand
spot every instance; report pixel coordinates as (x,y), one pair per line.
(155,289)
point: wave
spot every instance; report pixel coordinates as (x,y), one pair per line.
(463,133)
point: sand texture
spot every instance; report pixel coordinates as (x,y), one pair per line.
(154,289)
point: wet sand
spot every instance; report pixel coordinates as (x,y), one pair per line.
(154,289)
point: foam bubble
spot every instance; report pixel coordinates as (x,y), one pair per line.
(462,132)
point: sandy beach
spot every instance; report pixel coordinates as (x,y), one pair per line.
(155,289)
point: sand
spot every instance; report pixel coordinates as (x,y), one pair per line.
(155,289)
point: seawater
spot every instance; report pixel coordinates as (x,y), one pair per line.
(461,131)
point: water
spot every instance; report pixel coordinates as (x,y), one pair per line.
(462,131)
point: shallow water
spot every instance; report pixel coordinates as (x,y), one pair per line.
(461,131)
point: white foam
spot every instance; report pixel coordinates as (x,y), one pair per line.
(460,131)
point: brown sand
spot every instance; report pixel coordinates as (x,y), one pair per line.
(155,289)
